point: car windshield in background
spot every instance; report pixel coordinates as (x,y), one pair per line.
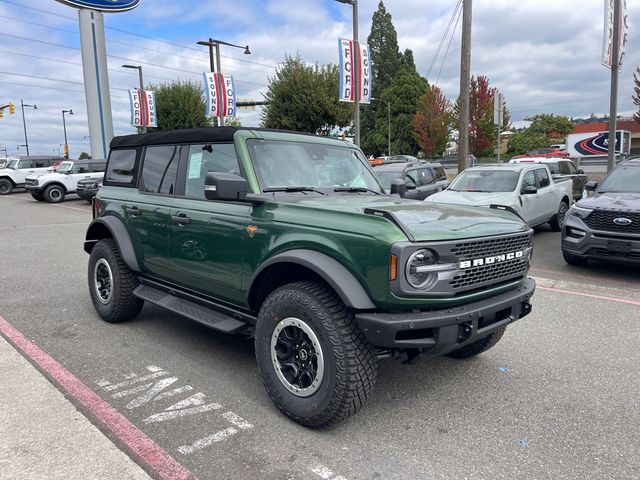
(622,179)
(485,181)
(280,164)
(12,164)
(386,177)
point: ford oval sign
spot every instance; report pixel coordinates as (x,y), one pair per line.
(103,5)
(622,221)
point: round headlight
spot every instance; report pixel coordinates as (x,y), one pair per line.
(418,274)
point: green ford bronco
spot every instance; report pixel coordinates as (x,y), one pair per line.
(292,239)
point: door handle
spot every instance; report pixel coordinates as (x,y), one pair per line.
(181,219)
(133,211)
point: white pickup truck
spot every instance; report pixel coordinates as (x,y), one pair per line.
(528,190)
(54,186)
(16,171)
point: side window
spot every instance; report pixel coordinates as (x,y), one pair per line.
(529,180)
(216,157)
(42,163)
(96,167)
(80,168)
(542,178)
(554,169)
(121,167)
(412,177)
(563,168)
(24,164)
(425,177)
(159,169)
(440,173)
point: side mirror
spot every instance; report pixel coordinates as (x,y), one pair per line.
(399,187)
(529,190)
(591,185)
(581,172)
(224,186)
(410,185)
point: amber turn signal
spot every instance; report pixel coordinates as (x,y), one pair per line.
(393,267)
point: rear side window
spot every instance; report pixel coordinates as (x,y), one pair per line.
(217,157)
(24,164)
(425,177)
(121,167)
(45,162)
(80,168)
(159,169)
(97,167)
(440,173)
(542,178)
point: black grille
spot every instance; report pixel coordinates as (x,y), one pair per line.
(603,220)
(31,181)
(500,270)
(494,246)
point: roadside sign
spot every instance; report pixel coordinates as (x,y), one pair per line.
(347,87)
(607,41)
(143,108)
(220,94)
(103,5)
(498,108)
(596,144)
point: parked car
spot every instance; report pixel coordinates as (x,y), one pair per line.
(527,190)
(16,171)
(544,152)
(290,238)
(561,169)
(421,179)
(88,187)
(54,186)
(451,159)
(606,226)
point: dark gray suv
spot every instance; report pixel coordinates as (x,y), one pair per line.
(606,226)
(421,178)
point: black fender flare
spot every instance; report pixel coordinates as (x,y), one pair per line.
(343,282)
(118,232)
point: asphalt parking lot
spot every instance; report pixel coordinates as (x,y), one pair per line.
(557,398)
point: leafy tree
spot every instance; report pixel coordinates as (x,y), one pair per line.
(432,123)
(180,104)
(403,95)
(545,130)
(305,98)
(84,156)
(386,62)
(636,93)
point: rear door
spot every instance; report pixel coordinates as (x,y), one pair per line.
(426,183)
(205,235)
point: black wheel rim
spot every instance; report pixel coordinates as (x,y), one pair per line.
(297,357)
(103,281)
(4,188)
(55,194)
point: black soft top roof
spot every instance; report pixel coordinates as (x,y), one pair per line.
(190,135)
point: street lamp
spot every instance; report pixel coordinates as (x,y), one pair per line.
(356,76)
(143,126)
(211,43)
(64,126)
(24,123)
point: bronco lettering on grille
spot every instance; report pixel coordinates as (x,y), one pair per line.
(478,262)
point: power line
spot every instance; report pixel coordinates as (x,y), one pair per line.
(444,37)
(448,46)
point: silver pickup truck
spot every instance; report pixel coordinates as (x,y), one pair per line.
(528,190)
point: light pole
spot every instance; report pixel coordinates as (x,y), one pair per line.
(24,123)
(212,43)
(356,76)
(143,120)
(64,126)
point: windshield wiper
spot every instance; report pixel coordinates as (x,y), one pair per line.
(293,189)
(356,189)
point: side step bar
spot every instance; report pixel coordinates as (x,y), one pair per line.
(198,313)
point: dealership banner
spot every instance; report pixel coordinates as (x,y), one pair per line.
(220,94)
(143,108)
(607,43)
(347,84)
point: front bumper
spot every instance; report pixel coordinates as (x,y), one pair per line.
(440,331)
(86,193)
(33,188)
(600,246)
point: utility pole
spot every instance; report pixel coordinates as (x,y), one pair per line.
(613,101)
(143,120)
(465,84)
(24,123)
(356,71)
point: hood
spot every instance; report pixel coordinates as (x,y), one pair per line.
(422,220)
(478,199)
(612,201)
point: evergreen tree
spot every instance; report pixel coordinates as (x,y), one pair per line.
(304,98)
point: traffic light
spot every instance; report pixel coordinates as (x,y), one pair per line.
(1,113)
(12,108)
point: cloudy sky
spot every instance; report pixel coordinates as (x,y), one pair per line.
(544,55)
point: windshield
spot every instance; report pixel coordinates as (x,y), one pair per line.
(64,167)
(622,179)
(12,163)
(386,177)
(485,181)
(281,164)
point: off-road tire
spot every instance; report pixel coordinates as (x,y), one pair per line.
(6,186)
(557,222)
(350,362)
(54,194)
(572,259)
(38,197)
(123,305)
(478,346)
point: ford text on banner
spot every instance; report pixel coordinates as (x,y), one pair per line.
(143,108)
(212,95)
(229,95)
(607,41)
(347,87)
